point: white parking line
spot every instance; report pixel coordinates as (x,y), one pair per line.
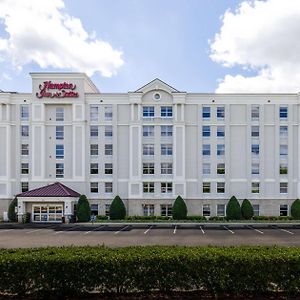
(286,231)
(98,227)
(202,229)
(122,229)
(35,230)
(259,231)
(148,229)
(5,230)
(228,229)
(68,229)
(175,229)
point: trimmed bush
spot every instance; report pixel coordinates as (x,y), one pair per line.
(247,210)
(117,209)
(179,209)
(295,209)
(83,212)
(12,215)
(233,209)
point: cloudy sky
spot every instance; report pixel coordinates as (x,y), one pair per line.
(195,46)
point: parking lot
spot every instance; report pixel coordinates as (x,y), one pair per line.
(118,235)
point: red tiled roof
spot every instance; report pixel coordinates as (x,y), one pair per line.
(56,189)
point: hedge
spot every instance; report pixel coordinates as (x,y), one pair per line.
(72,271)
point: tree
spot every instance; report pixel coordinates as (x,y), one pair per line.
(12,216)
(179,209)
(247,209)
(233,209)
(83,211)
(117,209)
(295,209)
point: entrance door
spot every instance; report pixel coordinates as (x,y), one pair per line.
(47,213)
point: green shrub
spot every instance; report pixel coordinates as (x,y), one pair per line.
(196,218)
(179,209)
(247,210)
(83,211)
(12,215)
(295,209)
(117,209)
(217,218)
(272,218)
(101,217)
(233,209)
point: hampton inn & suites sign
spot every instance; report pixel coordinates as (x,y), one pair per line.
(50,89)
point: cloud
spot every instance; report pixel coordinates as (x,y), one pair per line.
(261,36)
(41,32)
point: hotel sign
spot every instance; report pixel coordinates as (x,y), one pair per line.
(57,90)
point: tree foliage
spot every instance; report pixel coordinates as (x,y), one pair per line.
(179,209)
(12,215)
(233,209)
(117,209)
(247,210)
(295,209)
(83,212)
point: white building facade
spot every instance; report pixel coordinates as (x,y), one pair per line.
(151,145)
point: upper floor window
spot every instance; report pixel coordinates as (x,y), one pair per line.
(59,113)
(108,113)
(59,132)
(166,187)
(108,131)
(24,112)
(283,131)
(283,187)
(166,130)
(108,169)
(148,168)
(24,168)
(206,169)
(59,170)
(24,149)
(283,150)
(94,168)
(148,111)
(59,151)
(94,187)
(283,168)
(220,149)
(205,187)
(94,149)
(220,168)
(148,131)
(255,149)
(205,131)
(255,112)
(255,131)
(206,150)
(148,149)
(108,187)
(166,168)
(220,187)
(166,111)
(24,130)
(108,149)
(255,187)
(283,112)
(166,149)
(94,113)
(94,131)
(220,112)
(206,112)
(220,131)
(148,187)
(24,186)
(255,168)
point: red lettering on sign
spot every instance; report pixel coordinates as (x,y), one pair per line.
(65,90)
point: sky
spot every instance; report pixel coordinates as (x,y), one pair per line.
(223,46)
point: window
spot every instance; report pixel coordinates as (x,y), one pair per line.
(166,168)
(59,113)
(221,210)
(148,210)
(166,149)
(254,112)
(255,131)
(108,131)
(206,131)
(148,111)
(206,210)
(283,168)
(206,187)
(108,113)
(220,187)
(206,169)
(166,112)
(24,149)
(166,210)
(255,187)
(220,149)
(94,169)
(255,149)
(94,209)
(59,170)
(206,112)
(108,169)
(148,149)
(148,168)
(220,168)
(24,112)
(148,131)
(94,131)
(255,168)
(283,210)
(166,130)
(255,210)
(206,150)
(108,187)
(107,210)
(94,149)
(60,151)
(94,113)
(94,187)
(24,187)
(166,187)
(24,168)
(283,131)
(59,132)
(283,112)
(221,112)
(220,131)
(148,187)
(283,150)
(108,149)
(283,187)
(24,130)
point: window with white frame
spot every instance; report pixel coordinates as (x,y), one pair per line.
(283,112)
(24,168)
(148,187)
(221,131)
(283,187)
(94,209)
(24,112)
(148,210)
(60,170)
(59,114)
(206,187)
(166,187)
(255,210)
(255,149)
(166,210)
(221,210)
(24,186)
(148,149)
(255,168)
(166,130)
(148,168)
(108,113)
(283,210)
(283,150)
(283,130)
(148,130)
(166,149)
(206,150)
(166,168)
(94,131)
(148,111)
(60,152)
(94,169)
(59,131)
(206,169)
(108,168)
(108,131)
(94,113)
(206,131)
(25,149)
(254,112)
(221,168)
(220,112)
(94,149)
(205,112)
(108,187)
(254,131)
(283,168)
(255,187)
(206,210)
(108,149)
(220,187)
(24,130)
(166,111)
(94,187)
(220,149)
(107,210)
